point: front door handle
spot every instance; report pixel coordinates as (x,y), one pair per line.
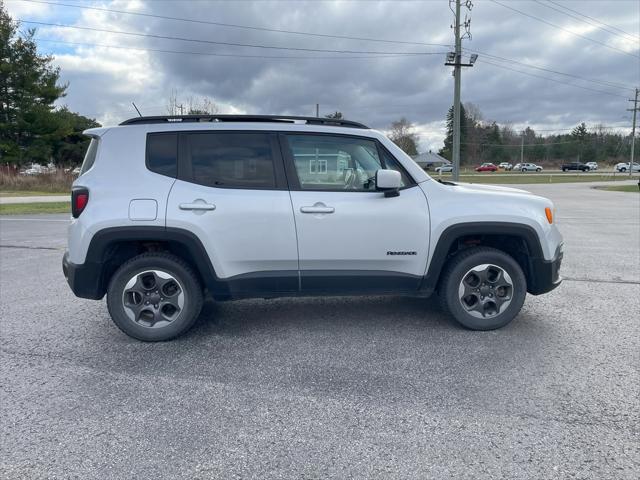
(317,208)
(197,206)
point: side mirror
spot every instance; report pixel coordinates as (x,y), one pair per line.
(389,182)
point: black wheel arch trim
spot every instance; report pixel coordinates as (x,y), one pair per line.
(459,230)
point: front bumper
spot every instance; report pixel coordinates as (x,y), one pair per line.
(544,275)
(84,279)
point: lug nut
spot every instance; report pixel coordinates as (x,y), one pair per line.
(155,305)
(146,303)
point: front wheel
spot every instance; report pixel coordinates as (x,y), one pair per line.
(483,288)
(622,170)
(154,297)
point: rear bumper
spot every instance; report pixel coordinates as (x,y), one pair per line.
(84,279)
(545,274)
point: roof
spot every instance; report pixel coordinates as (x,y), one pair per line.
(244,119)
(428,158)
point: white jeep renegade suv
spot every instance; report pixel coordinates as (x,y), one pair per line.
(168,209)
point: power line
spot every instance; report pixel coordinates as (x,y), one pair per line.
(635,37)
(604,83)
(234,55)
(214,42)
(624,37)
(565,29)
(233,25)
(322,35)
(552,79)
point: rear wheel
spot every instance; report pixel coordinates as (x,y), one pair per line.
(524,170)
(154,297)
(483,288)
(538,169)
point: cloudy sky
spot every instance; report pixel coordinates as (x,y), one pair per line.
(587,52)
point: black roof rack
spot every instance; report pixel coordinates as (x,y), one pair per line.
(243,118)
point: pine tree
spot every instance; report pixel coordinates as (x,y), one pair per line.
(28,88)
(447,150)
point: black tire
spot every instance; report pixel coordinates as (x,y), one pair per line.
(622,170)
(163,262)
(564,169)
(538,170)
(454,274)
(524,170)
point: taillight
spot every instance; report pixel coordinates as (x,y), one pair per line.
(79,200)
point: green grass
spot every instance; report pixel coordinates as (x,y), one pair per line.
(523,178)
(621,188)
(31,208)
(27,193)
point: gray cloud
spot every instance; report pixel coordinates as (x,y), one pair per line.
(375,91)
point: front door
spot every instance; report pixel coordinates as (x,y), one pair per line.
(351,238)
(231,192)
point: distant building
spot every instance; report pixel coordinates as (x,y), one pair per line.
(429,160)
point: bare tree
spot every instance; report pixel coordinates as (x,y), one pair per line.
(402,134)
(192,106)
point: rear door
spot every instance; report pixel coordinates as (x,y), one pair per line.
(231,192)
(351,238)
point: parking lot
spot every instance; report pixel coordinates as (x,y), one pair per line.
(382,387)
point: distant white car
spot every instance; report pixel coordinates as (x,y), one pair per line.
(505,166)
(527,167)
(624,167)
(592,165)
(445,169)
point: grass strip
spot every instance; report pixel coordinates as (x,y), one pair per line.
(33,208)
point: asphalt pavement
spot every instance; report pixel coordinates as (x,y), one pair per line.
(374,387)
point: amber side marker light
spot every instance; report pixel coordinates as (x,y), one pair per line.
(549,214)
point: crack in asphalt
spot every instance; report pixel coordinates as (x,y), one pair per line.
(29,247)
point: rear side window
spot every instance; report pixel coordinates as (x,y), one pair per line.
(162,153)
(230,160)
(90,156)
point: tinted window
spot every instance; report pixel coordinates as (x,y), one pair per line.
(162,153)
(228,159)
(325,162)
(90,156)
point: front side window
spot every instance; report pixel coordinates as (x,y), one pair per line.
(230,160)
(325,162)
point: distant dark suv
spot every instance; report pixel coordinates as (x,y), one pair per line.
(575,166)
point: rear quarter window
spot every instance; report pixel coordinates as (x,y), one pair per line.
(162,153)
(90,156)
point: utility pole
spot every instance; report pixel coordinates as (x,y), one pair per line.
(317,110)
(522,148)
(633,129)
(457,70)
(455,59)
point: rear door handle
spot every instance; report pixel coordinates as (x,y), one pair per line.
(197,206)
(317,208)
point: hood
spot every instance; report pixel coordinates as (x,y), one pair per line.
(478,187)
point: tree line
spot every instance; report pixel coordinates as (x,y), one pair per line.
(488,141)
